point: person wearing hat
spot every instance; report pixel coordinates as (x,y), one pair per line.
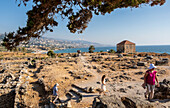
(149,81)
(55,92)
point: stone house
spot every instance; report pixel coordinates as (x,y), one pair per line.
(126,47)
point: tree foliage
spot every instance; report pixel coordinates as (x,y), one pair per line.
(91,49)
(111,51)
(51,53)
(44,14)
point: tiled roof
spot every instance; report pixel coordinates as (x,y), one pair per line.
(126,42)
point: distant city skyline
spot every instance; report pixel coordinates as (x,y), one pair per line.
(144,26)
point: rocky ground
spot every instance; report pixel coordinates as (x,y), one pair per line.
(26,80)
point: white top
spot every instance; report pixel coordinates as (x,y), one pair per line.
(104,81)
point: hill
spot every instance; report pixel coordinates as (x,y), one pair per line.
(45,43)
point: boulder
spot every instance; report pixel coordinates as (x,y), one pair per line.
(134,102)
(141,63)
(113,69)
(164,61)
(149,57)
(66,77)
(128,62)
(125,77)
(98,82)
(139,73)
(122,90)
(114,101)
(163,92)
(90,89)
(135,56)
(70,72)
(133,67)
(162,72)
(107,80)
(120,55)
(104,66)
(2,71)
(89,67)
(80,77)
(108,102)
(94,67)
(94,60)
(99,71)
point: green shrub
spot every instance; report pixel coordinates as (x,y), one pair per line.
(59,55)
(111,51)
(51,53)
(91,49)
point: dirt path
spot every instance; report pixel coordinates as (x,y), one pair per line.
(87,98)
(91,82)
(96,76)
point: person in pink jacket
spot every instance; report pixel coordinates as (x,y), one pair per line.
(149,81)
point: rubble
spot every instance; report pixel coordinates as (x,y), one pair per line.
(164,61)
(163,92)
(114,101)
(141,64)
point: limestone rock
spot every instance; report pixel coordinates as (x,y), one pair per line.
(164,61)
(141,64)
(108,102)
(163,92)
(120,55)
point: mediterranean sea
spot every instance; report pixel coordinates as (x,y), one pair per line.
(156,49)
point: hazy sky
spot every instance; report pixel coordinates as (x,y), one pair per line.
(144,26)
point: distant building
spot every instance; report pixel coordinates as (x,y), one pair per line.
(126,47)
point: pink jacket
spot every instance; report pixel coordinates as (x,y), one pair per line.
(151,77)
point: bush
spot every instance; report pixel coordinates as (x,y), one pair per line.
(59,56)
(51,53)
(91,49)
(33,61)
(111,51)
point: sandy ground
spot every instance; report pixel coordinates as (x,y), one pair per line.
(122,82)
(122,88)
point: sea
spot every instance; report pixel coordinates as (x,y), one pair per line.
(156,49)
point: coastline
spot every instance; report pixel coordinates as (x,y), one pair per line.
(40,52)
(149,49)
(154,49)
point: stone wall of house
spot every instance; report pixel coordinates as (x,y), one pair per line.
(129,49)
(120,48)
(126,48)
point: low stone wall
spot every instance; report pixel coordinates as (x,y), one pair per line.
(7,100)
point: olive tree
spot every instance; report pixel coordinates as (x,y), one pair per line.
(44,14)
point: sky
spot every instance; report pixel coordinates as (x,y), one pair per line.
(144,26)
